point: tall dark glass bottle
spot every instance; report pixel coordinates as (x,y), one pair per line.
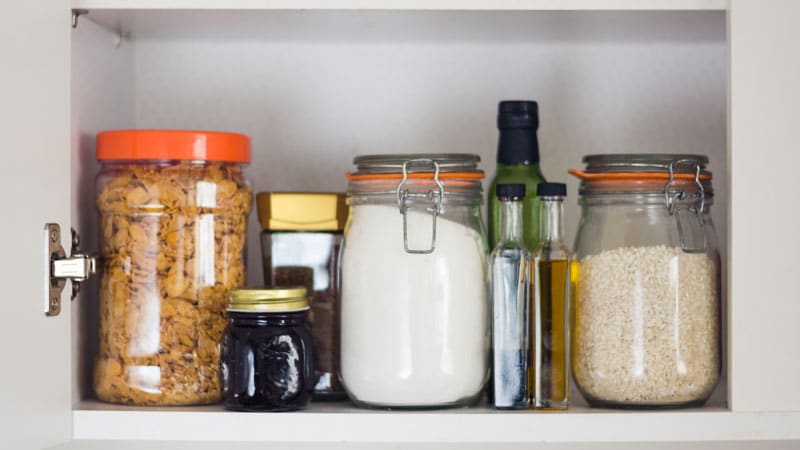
(517,162)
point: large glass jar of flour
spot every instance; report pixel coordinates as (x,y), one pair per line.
(415,324)
(646,329)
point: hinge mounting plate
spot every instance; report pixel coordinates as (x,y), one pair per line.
(77,267)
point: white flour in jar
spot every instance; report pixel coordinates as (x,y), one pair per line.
(415,328)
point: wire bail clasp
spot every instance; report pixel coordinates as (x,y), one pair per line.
(433,196)
(673,196)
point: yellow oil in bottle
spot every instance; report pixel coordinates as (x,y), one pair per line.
(548,374)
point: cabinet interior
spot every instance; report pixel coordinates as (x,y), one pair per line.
(315,88)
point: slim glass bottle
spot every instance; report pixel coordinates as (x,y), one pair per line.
(548,370)
(517,162)
(509,283)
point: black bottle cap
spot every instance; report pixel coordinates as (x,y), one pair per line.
(518,121)
(518,114)
(513,191)
(551,190)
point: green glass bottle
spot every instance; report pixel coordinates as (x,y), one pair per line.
(517,162)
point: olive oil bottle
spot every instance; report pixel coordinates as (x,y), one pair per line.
(548,366)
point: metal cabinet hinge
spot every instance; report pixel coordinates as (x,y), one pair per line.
(77,267)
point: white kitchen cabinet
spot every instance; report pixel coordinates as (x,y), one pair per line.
(317,82)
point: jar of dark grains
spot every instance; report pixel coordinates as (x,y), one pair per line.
(301,242)
(267,351)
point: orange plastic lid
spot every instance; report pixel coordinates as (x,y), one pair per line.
(173,144)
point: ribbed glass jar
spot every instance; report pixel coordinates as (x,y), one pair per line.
(267,351)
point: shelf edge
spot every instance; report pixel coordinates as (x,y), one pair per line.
(447,426)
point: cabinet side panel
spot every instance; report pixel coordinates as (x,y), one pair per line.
(764,244)
(34,122)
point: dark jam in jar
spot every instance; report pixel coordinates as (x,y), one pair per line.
(267,361)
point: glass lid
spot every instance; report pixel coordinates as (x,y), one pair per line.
(644,162)
(393,163)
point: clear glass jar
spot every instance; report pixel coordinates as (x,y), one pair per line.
(646,330)
(301,244)
(173,209)
(267,351)
(415,316)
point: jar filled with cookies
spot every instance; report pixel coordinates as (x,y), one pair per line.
(173,208)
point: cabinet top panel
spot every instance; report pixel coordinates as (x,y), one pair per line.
(482,27)
(497,5)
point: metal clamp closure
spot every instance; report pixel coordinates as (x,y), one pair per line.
(434,196)
(672,196)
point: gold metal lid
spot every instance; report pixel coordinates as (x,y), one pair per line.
(277,299)
(302,211)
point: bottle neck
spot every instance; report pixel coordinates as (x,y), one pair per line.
(518,146)
(551,219)
(510,221)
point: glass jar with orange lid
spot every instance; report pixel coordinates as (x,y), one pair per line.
(173,209)
(646,331)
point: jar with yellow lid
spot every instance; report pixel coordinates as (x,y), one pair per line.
(267,350)
(301,242)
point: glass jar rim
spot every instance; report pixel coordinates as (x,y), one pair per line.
(447,174)
(394,163)
(640,173)
(644,162)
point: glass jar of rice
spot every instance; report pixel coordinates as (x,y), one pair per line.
(646,329)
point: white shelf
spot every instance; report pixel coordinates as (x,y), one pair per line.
(337,422)
(496,5)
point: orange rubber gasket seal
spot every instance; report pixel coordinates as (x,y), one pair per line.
(634,177)
(415,176)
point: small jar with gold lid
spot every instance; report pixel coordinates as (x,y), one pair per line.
(267,350)
(301,241)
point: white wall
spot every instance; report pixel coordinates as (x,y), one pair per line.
(314,89)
